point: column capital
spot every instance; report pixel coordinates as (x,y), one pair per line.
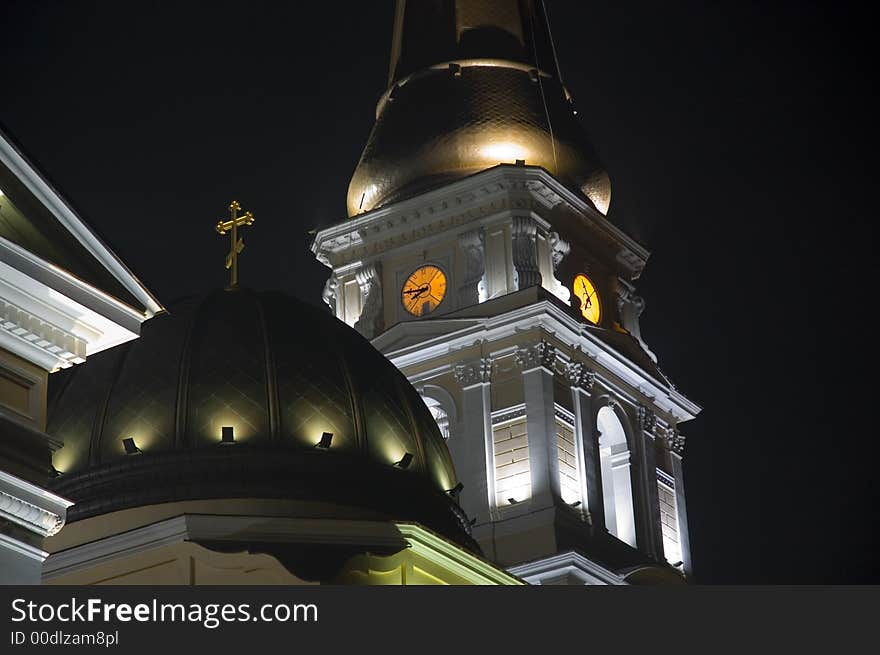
(580,376)
(675,441)
(475,371)
(678,440)
(647,419)
(541,354)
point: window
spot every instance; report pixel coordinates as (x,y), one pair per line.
(513,480)
(616,481)
(441,417)
(569,480)
(668,518)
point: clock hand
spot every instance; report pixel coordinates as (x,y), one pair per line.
(587,294)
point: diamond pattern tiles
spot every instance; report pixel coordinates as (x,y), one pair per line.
(279,372)
(389,430)
(142,404)
(227,377)
(77,395)
(313,395)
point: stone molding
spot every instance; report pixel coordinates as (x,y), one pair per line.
(673,439)
(476,371)
(647,419)
(579,375)
(508,414)
(540,354)
(46,342)
(31,507)
(469,201)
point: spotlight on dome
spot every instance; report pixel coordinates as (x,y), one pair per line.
(405,461)
(326,440)
(227,434)
(576,503)
(453,493)
(130,446)
(53,472)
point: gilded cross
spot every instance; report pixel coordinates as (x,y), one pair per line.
(237,244)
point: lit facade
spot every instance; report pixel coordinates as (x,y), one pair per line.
(563,430)
(63,297)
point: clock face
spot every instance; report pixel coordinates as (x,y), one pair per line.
(423,290)
(585,291)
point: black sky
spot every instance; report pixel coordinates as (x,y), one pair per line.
(739,137)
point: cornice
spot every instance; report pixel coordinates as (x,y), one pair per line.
(451,334)
(53,319)
(30,506)
(61,210)
(38,341)
(468,202)
(8,543)
(571,563)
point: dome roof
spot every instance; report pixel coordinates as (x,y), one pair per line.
(473,84)
(280,373)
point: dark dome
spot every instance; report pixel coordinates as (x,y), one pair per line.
(280,373)
(441,127)
(473,84)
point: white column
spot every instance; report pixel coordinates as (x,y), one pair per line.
(653,532)
(581,380)
(476,468)
(677,446)
(537,362)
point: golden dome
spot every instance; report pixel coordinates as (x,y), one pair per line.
(473,84)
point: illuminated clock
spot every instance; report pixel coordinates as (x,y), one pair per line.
(423,290)
(585,291)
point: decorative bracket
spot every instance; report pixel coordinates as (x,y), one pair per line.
(525,260)
(472,290)
(370,323)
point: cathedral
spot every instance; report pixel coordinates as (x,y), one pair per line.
(478,405)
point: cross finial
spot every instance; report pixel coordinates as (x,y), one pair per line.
(237,244)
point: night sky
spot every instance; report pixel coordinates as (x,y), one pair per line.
(740,143)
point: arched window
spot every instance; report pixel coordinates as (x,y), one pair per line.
(441,416)
(616,481)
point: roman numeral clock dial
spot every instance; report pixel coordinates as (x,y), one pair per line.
(423,290)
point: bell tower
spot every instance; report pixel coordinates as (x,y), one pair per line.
(477,257)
